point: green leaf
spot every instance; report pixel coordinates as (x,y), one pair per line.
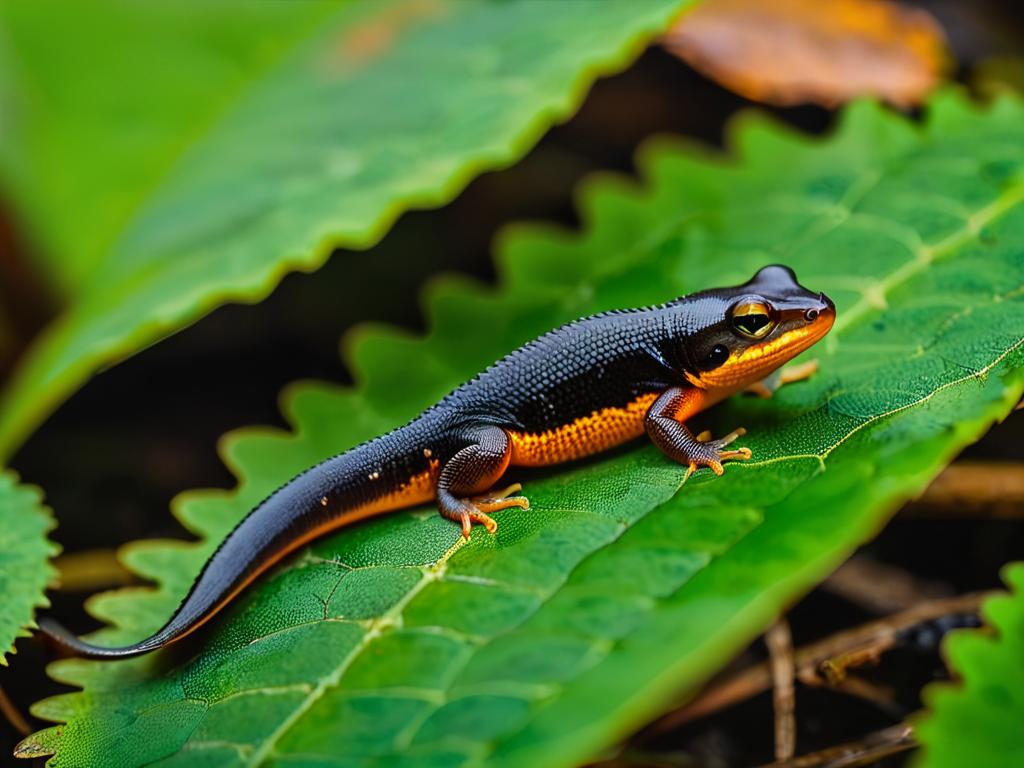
(25,571)
(396,643)
(167,157)
(977,721)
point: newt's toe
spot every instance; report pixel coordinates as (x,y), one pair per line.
(476,510)
(501,499)
(740,454)
(709,453)
(485,520)
(467,524)
(728,439)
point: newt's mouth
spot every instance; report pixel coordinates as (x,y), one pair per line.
(807,326)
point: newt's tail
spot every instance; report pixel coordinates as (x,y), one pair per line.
(349,487)
(60,635)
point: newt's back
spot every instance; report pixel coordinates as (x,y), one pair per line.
(578,389)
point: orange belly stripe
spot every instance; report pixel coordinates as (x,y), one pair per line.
(584,436)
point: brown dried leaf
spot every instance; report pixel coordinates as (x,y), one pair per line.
(792,51)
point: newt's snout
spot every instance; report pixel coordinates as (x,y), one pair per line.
(823,314)
(826,305)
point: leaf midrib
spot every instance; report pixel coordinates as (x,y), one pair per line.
(924,255)
(431,573)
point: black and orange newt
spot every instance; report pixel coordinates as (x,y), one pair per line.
(575,391)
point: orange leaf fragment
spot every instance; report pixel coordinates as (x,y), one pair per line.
(787,52)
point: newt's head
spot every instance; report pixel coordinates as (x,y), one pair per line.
(748,331)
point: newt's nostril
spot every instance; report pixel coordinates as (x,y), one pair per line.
(811,315)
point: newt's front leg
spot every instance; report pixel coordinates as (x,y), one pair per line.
(469,473)
(767,386)
(665,428)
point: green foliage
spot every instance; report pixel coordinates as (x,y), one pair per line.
(395,643)
(169,156)
(24,553)
(977,721)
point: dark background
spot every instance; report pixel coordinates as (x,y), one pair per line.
(115,454)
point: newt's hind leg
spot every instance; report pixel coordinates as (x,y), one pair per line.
(465,478)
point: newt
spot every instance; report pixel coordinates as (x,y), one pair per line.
(580,389)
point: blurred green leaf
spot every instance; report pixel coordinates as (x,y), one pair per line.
(169,156)
(395,643)
(25,571)
(977,721)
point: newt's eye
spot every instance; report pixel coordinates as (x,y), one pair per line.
(752,319)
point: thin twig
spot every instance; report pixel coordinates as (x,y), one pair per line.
(780,659)
(989,488)
(13,715)
(721,694)
(881,588)
(881,696)
(824,663)
(870,749)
